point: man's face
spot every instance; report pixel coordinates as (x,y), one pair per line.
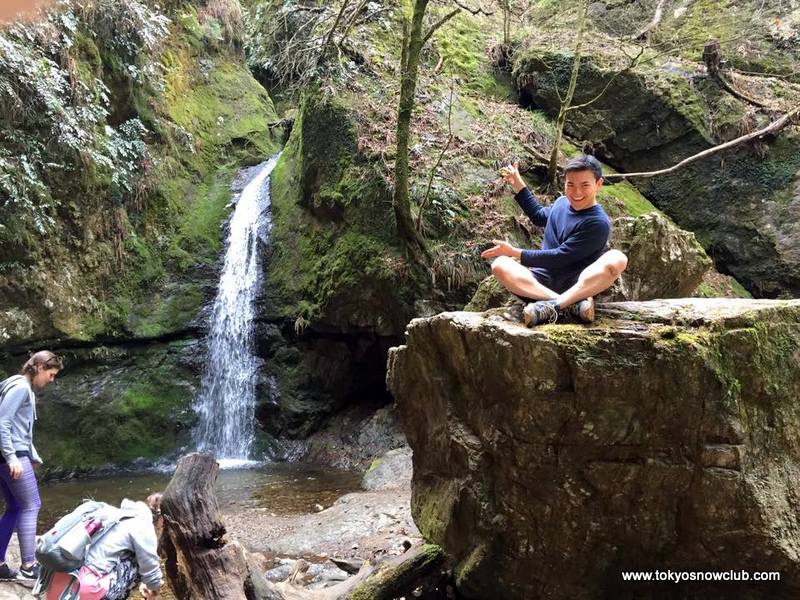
(581,189)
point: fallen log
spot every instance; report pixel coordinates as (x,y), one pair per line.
(393,577)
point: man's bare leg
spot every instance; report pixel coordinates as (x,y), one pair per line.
(518,279)
(596,278)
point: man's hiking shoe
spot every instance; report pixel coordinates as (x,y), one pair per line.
(513,312)
(29,573)
(7,572)
(540,313)
(583,310)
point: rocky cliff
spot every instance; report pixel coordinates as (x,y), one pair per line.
(663,436)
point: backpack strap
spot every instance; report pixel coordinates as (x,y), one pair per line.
(119,515)
(72,591)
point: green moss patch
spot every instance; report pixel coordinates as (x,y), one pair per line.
(622,199)
(333,231)
(140,410)
(462,45)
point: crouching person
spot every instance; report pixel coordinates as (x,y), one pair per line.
(119,556)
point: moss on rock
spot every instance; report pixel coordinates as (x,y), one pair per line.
(132,241)
(114,406)
(335,258)
(398,578)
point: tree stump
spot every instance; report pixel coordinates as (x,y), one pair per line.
(712,57)
(200,563)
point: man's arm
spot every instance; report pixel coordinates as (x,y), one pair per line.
(537,213)
(591,238)
(145,546)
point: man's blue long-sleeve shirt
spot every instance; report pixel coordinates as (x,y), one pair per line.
(572,239)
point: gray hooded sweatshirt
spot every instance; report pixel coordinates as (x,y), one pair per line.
(137,535)
(17,414)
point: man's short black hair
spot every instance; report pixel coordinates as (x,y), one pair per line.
(584,162)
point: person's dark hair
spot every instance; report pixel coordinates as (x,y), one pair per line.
(45,359)
(584,162)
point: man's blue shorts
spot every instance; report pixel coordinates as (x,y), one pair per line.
(558,282)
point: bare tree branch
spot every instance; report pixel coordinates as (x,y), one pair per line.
(773,127)
(352,21)
(329,37)
(438,24)
(475,11)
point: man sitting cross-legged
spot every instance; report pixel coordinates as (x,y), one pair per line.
(572,265)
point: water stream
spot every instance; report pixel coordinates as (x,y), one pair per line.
(281,488)
(226,402)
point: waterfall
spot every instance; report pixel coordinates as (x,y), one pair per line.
(226,402)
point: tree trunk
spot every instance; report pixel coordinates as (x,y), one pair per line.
(506,4)
(412,46)
(566,101)
(712,57)
(200,562)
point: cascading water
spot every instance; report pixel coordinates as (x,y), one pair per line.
(226,402)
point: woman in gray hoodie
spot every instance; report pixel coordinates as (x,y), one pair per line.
(17,457)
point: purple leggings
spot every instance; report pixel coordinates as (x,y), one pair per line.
(22,508)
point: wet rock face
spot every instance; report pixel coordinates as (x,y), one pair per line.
(663,436)
(306,379)
(116,405)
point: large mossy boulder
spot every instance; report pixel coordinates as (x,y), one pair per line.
(664,261)
(664,110)
(663,436)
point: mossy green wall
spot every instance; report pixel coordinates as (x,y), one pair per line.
(139,268)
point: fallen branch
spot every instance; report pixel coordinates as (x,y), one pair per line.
(712,57)
(773,127)
(543,158)
(392,578)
